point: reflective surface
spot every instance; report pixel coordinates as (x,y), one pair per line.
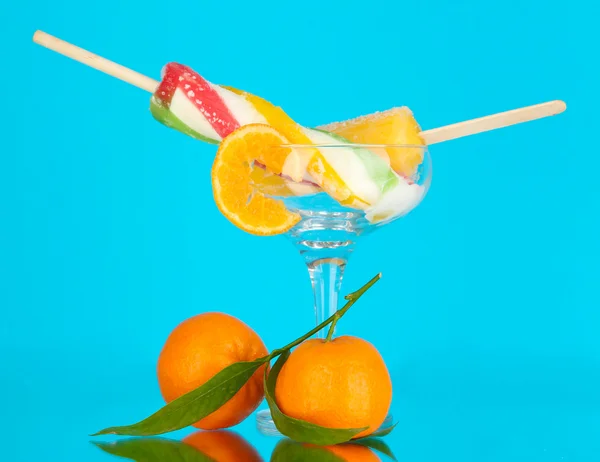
(490,409)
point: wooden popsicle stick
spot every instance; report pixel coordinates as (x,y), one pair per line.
(436,135)
(493,122)
(95,61)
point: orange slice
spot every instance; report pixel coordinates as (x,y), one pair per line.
(394,126)
(234,194)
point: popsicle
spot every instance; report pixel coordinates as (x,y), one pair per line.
(431,136)
(396,126)
(187,102)
(216,124)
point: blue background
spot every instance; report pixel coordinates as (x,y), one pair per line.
(488,310)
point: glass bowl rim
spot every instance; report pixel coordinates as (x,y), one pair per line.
(354,145)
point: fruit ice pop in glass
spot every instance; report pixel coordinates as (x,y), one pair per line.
(322,188)
(353,188)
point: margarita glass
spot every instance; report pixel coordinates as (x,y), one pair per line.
(328,232)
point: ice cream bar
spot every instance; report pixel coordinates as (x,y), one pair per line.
(355,177)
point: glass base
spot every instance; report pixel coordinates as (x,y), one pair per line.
(266,426)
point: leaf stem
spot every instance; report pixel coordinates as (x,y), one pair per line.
(334,318)
(219,389)
(332,326)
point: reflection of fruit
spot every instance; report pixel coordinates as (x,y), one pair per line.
(343,383)
(199,348)
(223,446)
(232,180)
(353,453)
(288,451)
(394,126)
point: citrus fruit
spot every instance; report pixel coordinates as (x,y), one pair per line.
(223,446)
(198,349)
(342,383)
(236,198)
(394,126)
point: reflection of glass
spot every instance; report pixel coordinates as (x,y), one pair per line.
(328,231)
(203,446)
(288,450)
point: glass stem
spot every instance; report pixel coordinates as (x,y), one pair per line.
(326,278)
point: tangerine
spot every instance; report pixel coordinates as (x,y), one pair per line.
(201,347)
(342,383)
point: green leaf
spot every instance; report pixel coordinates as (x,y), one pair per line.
(377,444)
(297,429)
(195,405)
(154,450)
(382,433)
(290,451)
